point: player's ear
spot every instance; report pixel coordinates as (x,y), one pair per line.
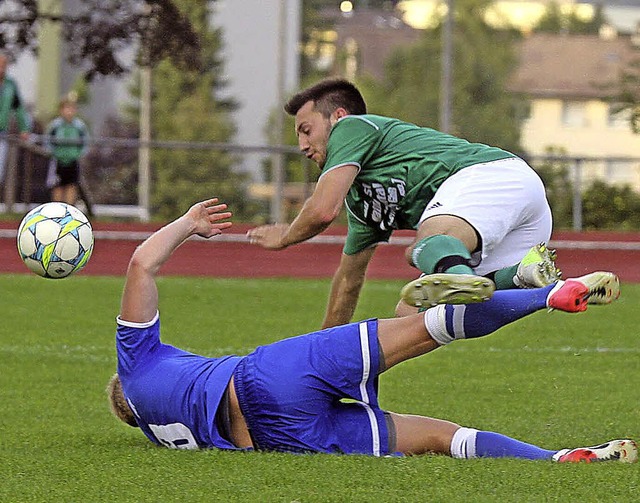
(340,112)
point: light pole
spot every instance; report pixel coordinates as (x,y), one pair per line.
(278,157)
(144,154)
(446,76)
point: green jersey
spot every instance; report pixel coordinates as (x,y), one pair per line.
(400,166)
(68,141)
(11,103)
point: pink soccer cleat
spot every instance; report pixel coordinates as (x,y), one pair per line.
(573,295)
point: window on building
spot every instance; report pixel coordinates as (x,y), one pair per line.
(616,118)
(574,114)
(620,172)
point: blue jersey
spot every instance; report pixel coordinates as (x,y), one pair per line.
(174,394)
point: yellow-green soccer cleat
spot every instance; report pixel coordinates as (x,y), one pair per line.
(538,268)
(443,288)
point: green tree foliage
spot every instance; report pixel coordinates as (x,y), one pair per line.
(483,61)
(186,106)
(99,29)
(610,207)
(556,175)
(628,98)
(604,206)
(555,20)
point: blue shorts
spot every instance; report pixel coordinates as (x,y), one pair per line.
(290,393)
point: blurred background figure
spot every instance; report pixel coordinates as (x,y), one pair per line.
(10,106)
(67,137)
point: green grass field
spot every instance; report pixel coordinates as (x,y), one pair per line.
(554,379)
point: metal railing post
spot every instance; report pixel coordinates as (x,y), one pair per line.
(577,195)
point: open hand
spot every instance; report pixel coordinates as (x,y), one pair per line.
(207,216)
(268,236)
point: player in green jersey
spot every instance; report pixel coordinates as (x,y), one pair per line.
(477,210)
(67,137)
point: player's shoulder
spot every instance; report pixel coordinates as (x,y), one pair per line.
(357,125)
(374,122)
(79,123)
(10,81)
(55,123)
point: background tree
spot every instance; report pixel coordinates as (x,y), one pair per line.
(628,97)
(483,61)
(187,106)
(555,20)
(99,29)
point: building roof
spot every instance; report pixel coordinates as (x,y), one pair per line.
(571,66)
(377,33)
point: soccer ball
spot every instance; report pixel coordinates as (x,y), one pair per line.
(55,240)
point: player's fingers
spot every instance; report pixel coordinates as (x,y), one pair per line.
(257,232)
(222,225)
(220,216)
(217,208)
(210,202)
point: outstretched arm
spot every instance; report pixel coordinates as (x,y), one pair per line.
(345,288)
(140,296)
(316,215)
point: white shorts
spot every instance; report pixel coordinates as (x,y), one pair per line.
(505,202)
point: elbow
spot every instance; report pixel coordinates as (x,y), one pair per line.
(323,216)
(138,264)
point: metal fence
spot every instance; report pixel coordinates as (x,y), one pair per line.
(114,185)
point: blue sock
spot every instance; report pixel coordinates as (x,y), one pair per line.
(506,306)
(495,445)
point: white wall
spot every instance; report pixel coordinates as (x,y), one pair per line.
(251,41)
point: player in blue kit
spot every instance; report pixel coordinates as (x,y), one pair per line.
(287,396)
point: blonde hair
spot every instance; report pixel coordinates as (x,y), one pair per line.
(118,403)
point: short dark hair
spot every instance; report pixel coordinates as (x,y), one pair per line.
(327,95)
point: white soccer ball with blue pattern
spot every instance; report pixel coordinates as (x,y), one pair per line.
(55,240)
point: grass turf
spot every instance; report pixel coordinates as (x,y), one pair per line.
(553,379)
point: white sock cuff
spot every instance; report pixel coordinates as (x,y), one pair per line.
(463,443)
(436,324)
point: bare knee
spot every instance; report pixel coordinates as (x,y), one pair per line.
(408,253)
(449,225)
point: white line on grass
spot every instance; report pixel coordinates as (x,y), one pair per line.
(564,349)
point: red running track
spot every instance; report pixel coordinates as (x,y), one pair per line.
(578,253)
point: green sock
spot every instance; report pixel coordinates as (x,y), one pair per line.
(441,253)
(503,278)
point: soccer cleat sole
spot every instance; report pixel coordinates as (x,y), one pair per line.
(621,451)
(603,289)
(443,288)
(573,295)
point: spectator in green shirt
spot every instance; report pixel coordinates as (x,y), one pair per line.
(11,107)
(67,138)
